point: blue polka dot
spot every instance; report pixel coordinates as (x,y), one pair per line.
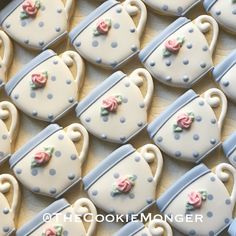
(196,137)
(60,136)
(116,26)
(58,29)
(210,197)
(122,120)
(209,214)
(94,192)
(180,9)
(149,200)
(78,44)
(5,211)
(168,63)
(227,202)
(198,118)
(140,124)
(132,30)
(95,43)
(52,172)
(164,7)
(49,96)
(36,189)
(119,10)
(34,172)
(196,154)
(4,136)
(55,62)
(234,12)
(203,65)
(201,103)
(189,45)
(168,79)
(159,139)
(114,44)
(32,94)
(6,229)
(99,60)
(213,179)
(59,10)
(70,100)
(71,176)
(53,78)
(123,138)
(142,105)
(205,48)
(50,116)
(73,157)
(213,141)
(131,195)
(192,232)
(134,48)
(211,233)
(152,63)
(65,233)
(23,23)
(18,171)
(41,43)
(103,136)
(26,41)
(150,179)
(105,118)
(227,220)
(185,78)
(213,121)
(185,62)
(116,175)
(53,190)
(177,136)
(226,83)
(68,81)
(16,96)
(127,84)
(41,24)
(137,159)
(178,154)
(87,119)
(218,12)
(190,30)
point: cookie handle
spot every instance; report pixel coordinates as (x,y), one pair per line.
(84,206)
(204,23)
(8,110)
(157,227)
(6,182)
(72,57)
(137,77)
(149,152)
(74,132)
(214,97)
(69,6)
(224,177)
(133,7)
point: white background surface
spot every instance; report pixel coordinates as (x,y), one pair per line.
(163,96)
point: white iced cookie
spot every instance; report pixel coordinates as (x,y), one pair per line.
(155,227)
(9,122)
(107,112)
(50,163)
(180,131)
(224,74)
(196,197)
(180,55)
(65,220)
(8,211)
(172,8)
(6,59)
(229,148)
(36,24)
(103,31)
(42,81)
(224,11)
(123,183)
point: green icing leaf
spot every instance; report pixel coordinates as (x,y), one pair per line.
(166,53)
(119,99)
(37,4)
(203,194)
(191,115)
(24,15)
(34,164)
(177,128)
(49,150)
(189,207)
(233,1)
(104,112)
(181,40)
(59,230)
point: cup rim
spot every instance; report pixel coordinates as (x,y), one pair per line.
(221,69)
(39,220)
(12,83)
(114,158)
(232,227)
(159,39)
(188,178)
(229,145)
(208,4)
(106,85)
(179,103)
(91,18)
(8,9)
(35,141)
(130,229)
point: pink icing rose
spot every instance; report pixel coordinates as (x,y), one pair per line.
(195,199)
(184,121)
(110,104)
(39,80)
(172,45)
(51,232)
(103,27)
(124,185)
(30,8)
(41,157)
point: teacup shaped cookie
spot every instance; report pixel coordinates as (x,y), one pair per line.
(64,219)
(224,74)
(6,59)
(155,227)
(188,129)
(103,31)
(8,211)
(232,228)
(49,164)
(229,148)
(36,24)
(113,104)
(123,183)
(9,121)
(199,193)
(181,55)
(42,81)
(224,12)
(172,8)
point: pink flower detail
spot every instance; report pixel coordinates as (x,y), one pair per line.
(172,45)
(184,121)
(42,157)
(195,199)
(51,232)
(124,184)
(30,8)
(39,80)
(103,26)
(110,104)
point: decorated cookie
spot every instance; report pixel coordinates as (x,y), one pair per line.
(232,228)
(36,24)
(224,74)
(224,11)
(172,8)
(229,147)
(123,183)
(188,129)
(181,55)
(49,164)
(64,219)
(198,193)
(9,122)
(6,59)
(113,104)
(155,227)
(42,81)
(8,211)
(110,29)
